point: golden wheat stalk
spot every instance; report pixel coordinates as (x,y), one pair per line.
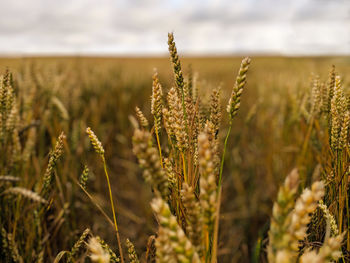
(99,149)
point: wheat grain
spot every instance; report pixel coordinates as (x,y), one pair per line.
(13,249)
(280,220)
(9,178)
(194,217)
(131,252)
(329,252)
(180,245)
(95,142)
(330,218)
(172,180)
(142,119)
(343,136)
(156,102)
(60,107)
(235,99)
(25,193)
(164,250)
(208,193)
(149,161)
(179,124)
(84,177)
(331,85)
(79,244)
(179,79)
(316,97)
(106,247)
(98,254)
(300,216)
(54,156)
(215,110)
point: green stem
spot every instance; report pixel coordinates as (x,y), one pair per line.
(159,148)
(348,221)
(184,167)
(223,154)
(112,204)
(340,190)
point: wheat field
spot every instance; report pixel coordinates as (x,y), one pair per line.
(174,159)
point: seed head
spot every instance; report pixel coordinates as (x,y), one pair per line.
(194,217)
(215,110)
(149,160)
(131,252)
(179,79)
(179,124)
(142,119)
(54,157)
(180,247)
(331,86)
(329,217)
(156,102)
(95,142)
(329,252)
(97,253)
(280,220)
(79,244)
(208,194)
(235,100)
(25,193)
(84,177)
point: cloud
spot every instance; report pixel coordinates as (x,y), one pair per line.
(201,26)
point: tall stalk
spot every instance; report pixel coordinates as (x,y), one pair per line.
(113,211)
(223,155)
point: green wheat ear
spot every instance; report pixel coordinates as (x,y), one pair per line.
(54,157)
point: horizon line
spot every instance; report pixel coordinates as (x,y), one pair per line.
(164,54)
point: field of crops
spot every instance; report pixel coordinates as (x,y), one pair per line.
(212,167)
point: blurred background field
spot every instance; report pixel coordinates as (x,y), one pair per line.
(71,93)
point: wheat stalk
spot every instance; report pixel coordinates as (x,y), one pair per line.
(99,150)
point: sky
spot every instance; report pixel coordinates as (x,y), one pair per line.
(201,27)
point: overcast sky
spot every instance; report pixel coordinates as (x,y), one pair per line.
(124,27)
